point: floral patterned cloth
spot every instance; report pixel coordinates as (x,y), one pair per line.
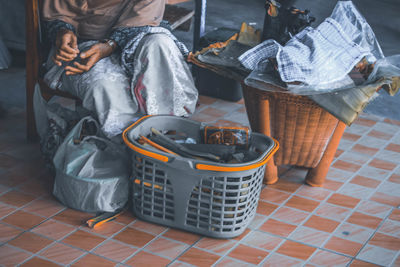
(153,79)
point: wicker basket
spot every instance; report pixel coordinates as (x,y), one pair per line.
(302,128)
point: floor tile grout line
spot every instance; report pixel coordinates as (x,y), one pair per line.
(316,189)
(59,241)
(169,264)
(270,252)
(373,234)
(242,242)
(381,148)
(220,117)
(39,234)
(394,259)
(376,189)
(234,259)
(14,211)
(224,255)
(20,250)
(144,250)
(29,230)
(21,208)
(354,143)
(86,252)
(177,241)
(389,172)
(367,163)
(101,243)
(146,245)
(121,230)
(6,191)
(283,204)
(41,215)
(16,188)
(313,213)
(80,228)
(78,258)
(357,142)
(303,243)
(37,254)
(275,250)
(341,223)
(157,254)
(187,249)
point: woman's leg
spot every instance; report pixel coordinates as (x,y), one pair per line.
(162,81)
(105,91)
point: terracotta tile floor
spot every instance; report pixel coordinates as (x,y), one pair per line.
(353,220)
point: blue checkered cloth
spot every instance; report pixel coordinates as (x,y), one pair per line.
(317,56)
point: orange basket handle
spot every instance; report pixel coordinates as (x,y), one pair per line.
(145,152)
(199,166)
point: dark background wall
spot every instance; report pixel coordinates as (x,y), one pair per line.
(12,23)
(382,15)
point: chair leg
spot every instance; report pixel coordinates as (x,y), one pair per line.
(32,63)
(316,176)
(259,117)
(31,128)
(31,132)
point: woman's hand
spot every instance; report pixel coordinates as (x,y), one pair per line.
(89,58)
(66,47)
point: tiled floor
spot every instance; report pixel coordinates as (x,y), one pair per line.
(353,220)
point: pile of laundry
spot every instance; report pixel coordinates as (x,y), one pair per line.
(320,59)
(339,64)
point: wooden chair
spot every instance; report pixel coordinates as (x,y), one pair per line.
(36,52)
(35,57)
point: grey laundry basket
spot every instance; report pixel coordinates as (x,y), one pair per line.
(213,199)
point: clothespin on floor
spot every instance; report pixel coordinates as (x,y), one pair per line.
(103,218)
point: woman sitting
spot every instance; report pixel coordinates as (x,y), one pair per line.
(119,58)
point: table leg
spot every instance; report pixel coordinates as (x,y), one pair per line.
(316,176)
(271,170)
(259,116)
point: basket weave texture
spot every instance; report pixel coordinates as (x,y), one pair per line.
(302,128)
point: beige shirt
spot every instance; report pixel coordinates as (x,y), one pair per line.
(95,19)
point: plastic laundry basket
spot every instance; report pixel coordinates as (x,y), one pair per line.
(218,200)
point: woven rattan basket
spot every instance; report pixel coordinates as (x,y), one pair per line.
(302,128)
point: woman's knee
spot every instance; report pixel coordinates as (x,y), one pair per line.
(160,42)
(157,38)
